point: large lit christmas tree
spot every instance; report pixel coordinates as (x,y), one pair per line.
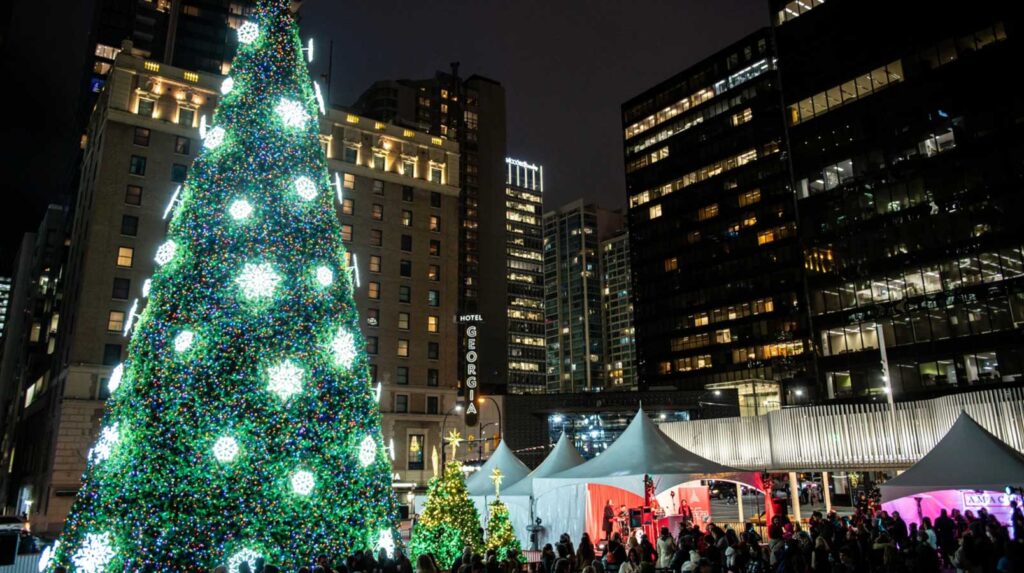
(449,521)
(242,423)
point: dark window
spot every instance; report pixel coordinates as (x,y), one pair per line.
(371,345)
(433,350)
(435,199)
(405,268)
(121,288)
(433,377)
(146,107)
(402,376)
(111,354)
(407,243)
(376,237)
(178,172)
(378,212)
(404,293)
(432,405)
(401,403)
(378,187)
(350,154)
(373,373)
(435,248)
(406,193)
(141,137)
(129,225)
(433,298)
(133,195)
(137,166)
(186,117)
(182,145)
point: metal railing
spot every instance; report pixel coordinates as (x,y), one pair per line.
(849,436)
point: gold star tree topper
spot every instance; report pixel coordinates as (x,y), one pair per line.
(454,439)
(497,477)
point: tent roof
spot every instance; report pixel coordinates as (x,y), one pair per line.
(511,467)
(967,457)
(641,449)
(562,457)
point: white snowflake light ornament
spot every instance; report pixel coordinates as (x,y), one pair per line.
(292,113)
(302,482)
(184,340)
(115,378)
(258,280)
(324,276)
(344,347)
(306,189)
(285,380)
(214,137)
(367,451)
(227,85)
(240,209)
(94,554)
(165,253)
(248,32)
(225,449)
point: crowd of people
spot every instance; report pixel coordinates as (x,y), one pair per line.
(869,541)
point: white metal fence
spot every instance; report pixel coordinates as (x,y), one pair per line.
(854,436)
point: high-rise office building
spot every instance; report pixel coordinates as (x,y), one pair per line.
(524,271)
(573,296)
(398,211)
(195,35)
(472,111)
(617,313)
(904,133)
(29,347)
(717,291)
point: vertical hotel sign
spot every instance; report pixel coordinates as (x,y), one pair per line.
(470,325)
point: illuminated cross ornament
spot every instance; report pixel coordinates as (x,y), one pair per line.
(454,439)
(497,477)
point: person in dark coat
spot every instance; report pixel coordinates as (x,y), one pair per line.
(609,520)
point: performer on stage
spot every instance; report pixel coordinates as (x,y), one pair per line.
(624,525)
(609,520)
(685,511)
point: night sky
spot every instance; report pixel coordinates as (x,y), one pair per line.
(567,65)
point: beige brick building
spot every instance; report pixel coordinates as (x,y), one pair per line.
(399,214)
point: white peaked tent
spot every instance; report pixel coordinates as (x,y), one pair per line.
(519,497)
(968,457)
(480,486)
(561,500)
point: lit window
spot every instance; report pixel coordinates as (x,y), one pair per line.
(374,264)
(377,212)
(346,232)
(766,236)
(433,272)
(655,211)
(742,117)
(403,321)
(403,347)
(125,256)
(750,197)
(701,319)
(433,323)
(347,207)
(407,218)
(435,223)
(133,195)
(349,181)
(115,321)
(671,264)
(373,290)
(707,212)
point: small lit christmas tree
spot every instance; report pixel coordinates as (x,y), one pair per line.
(500,535)
(449,521)
(242,424)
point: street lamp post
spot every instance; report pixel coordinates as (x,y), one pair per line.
(456,408)
(501,427)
